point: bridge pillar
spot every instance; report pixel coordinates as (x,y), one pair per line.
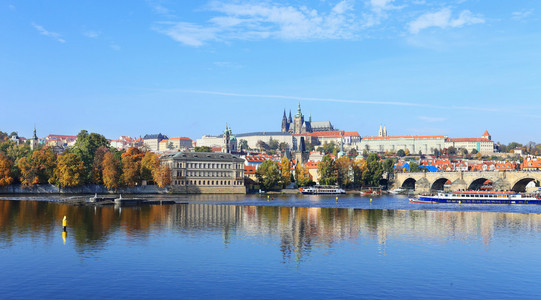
(422,185)
(459,184)
(501,185)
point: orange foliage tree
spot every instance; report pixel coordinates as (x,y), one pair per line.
(111,173)
(149,164)
(162,175)
(131,167)
(70,171)
(38,168)
(5,170)
(97,166)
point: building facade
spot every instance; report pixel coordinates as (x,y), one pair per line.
(485,145)
(206,173)
(152,141)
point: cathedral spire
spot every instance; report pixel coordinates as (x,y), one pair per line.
(299,113)
(35,136)
(290,119)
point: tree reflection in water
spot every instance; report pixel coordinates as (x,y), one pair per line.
(300,230)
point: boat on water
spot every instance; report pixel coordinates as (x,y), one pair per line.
(322,190)
(373,191)
(398,191)
(480,197)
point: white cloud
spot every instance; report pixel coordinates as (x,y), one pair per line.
(114,47)
(247,21)
(51,34)
(521,15)
(442,19)
(91,34)
(378,12)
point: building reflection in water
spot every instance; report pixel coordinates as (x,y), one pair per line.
(297,230)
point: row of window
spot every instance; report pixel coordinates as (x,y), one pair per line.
(208,182)
(204,174)
(206,166)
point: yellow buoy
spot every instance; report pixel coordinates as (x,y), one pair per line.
(64,223)
(64,236)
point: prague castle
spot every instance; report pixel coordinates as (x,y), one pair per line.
(299,126)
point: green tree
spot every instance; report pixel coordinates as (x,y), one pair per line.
(327,171)
(414,167)
(202,149)
(268,175)
(451,150)
(330,148)
(243,144)
(85,147)
(274,144)
(400,153)
(372,175)
(285,165)
(474,151)
(70,171)
(388,165)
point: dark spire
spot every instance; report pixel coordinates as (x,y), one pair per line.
(290,119)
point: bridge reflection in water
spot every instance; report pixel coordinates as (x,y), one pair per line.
(299,230)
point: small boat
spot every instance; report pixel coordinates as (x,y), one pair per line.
(373,191)
(322,190)
(480,197)
(398,191)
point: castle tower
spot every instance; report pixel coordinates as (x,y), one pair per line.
(285,124)
(298,122)
(34,140)
(380,131)
(384,131)
(486,135)
(226,147)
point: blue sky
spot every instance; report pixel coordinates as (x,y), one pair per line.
(186,68)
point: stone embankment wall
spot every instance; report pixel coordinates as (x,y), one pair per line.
(85,189)
(100,189)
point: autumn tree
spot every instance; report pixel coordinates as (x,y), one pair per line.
(131,167)
(302,176)
(344,167)
(70,171)
(327,171)
(5,170)
(149,164)
(97,165)
(285,165)
(37,168)
(162,175)
(111,172)
(268,175)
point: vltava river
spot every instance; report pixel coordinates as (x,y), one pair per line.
(219,248)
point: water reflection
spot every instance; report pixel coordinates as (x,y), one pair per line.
(297,230)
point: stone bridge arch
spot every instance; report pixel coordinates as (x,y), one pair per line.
(409,183)
(439,184)
(520,185)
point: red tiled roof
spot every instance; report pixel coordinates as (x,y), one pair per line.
(469,140)
(351,133)
(336,133)
(417,137)
(486,133)
(249,170)
(181,138)
(59,136)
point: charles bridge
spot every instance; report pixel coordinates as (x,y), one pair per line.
(426,182)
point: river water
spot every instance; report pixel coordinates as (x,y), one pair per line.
(290,247)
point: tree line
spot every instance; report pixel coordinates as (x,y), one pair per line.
(90,161)
(343,171)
